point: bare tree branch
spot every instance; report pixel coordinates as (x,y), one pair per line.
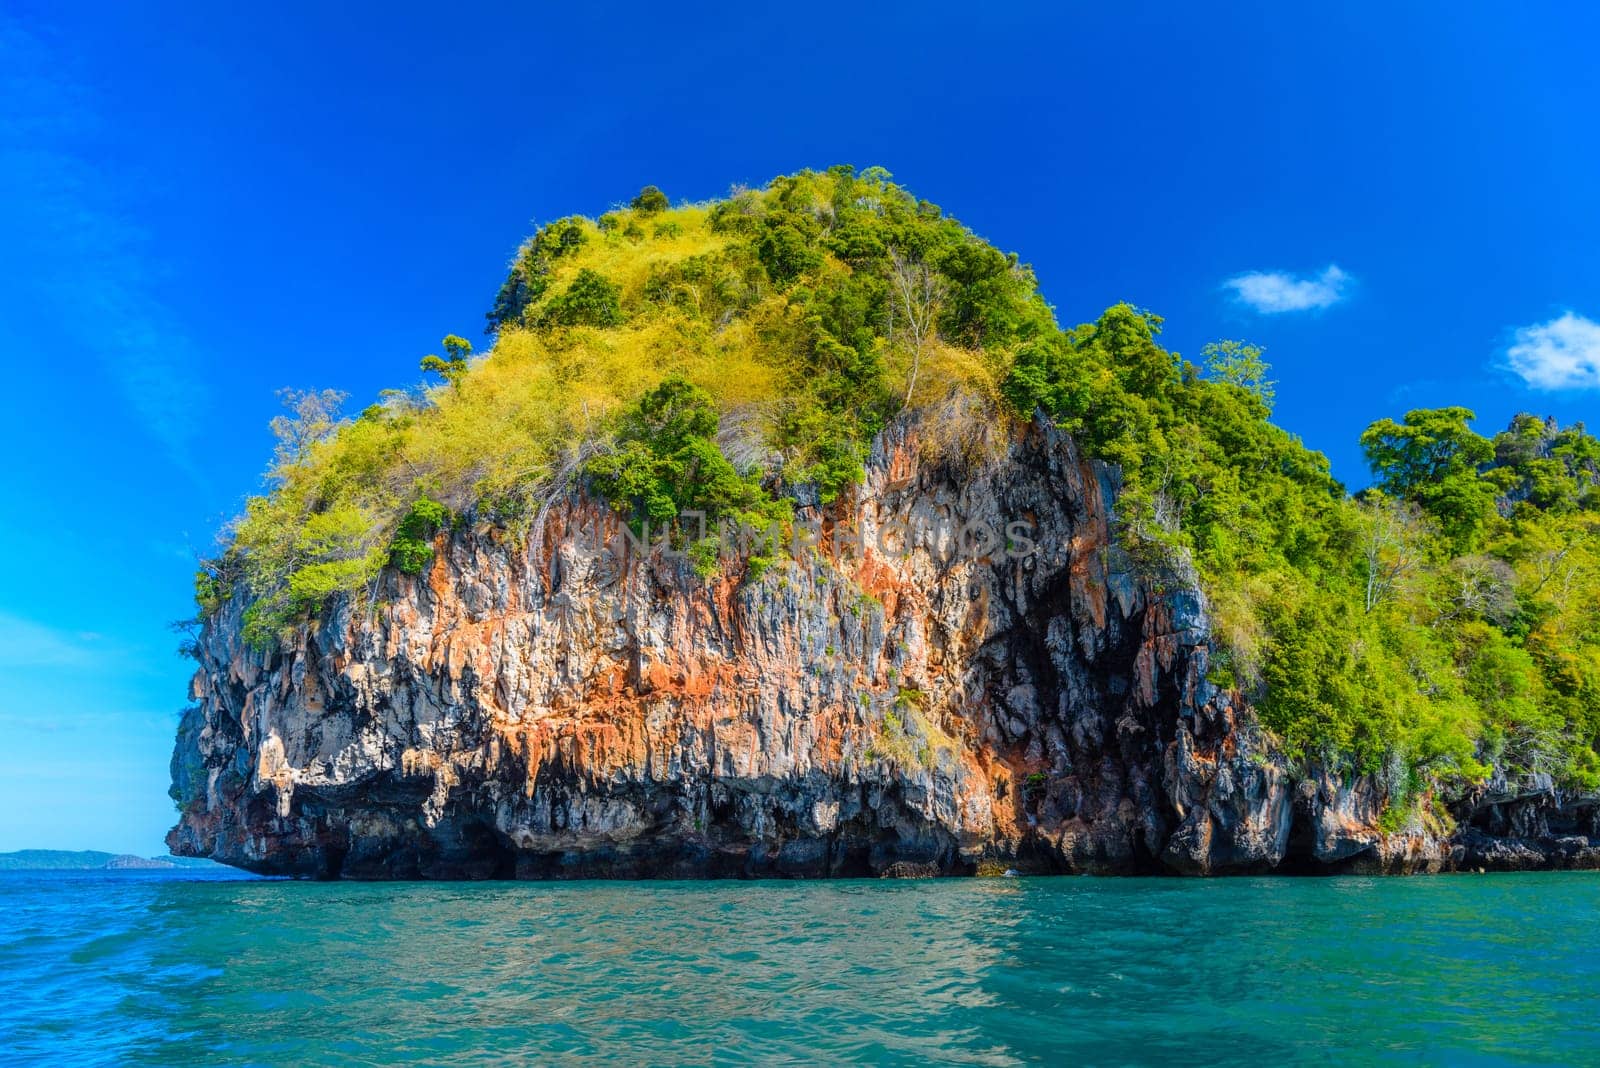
(918,294)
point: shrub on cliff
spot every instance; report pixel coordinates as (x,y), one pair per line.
(412,546)
(666,461)
(650,201)
(590,300)
(530,271)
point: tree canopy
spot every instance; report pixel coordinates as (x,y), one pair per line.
(1432,458)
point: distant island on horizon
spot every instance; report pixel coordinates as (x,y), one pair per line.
(93,860)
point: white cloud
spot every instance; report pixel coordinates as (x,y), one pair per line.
(1273,292)
(1561,354)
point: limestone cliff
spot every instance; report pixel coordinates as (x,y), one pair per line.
(902,699)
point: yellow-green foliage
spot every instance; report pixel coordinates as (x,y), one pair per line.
(774,303)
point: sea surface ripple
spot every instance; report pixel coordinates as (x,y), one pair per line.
(158,968)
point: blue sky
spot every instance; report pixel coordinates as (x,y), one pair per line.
(199,209)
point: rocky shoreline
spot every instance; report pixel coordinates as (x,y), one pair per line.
(888,704)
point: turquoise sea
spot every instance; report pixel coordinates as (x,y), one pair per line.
(159,968)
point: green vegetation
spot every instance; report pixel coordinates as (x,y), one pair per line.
(453,367)
(908,734)
(666,461)
(1416,622)
(412,547)
(1035,786)
(649,201)
(1433,459)
(590,300)
(732,357)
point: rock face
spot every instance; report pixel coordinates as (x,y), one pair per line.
(963,673)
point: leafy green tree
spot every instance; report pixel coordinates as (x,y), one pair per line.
(1554,469)
(591,300)
(530,272)
(649,201)
(786,248)
(412,546)
(1432,458)
(1126,335)
(333,550)
(667,461)
(1239,363)
(453,365)
(988,293)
